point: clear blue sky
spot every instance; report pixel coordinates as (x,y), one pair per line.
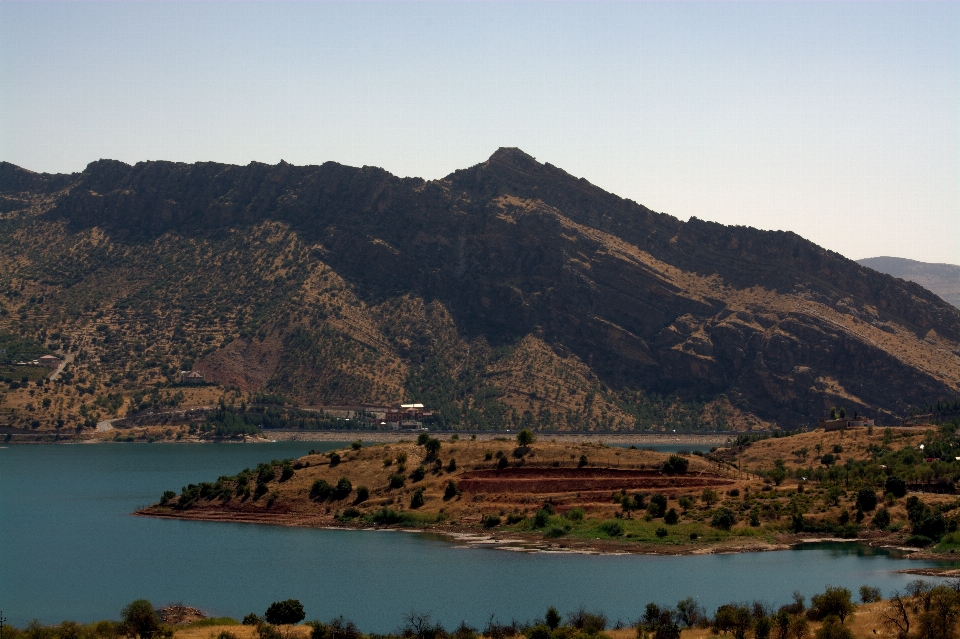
(837,120)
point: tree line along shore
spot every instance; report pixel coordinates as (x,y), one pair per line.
(924,610)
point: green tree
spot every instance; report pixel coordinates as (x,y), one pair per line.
(675,465)
(709,497)
(733,618)
(895,486)
(866,499)
(450,491)
(432,446)
(139,619)
(723,519)
(832,628)
(288,611)
(417,500)
(869,594)
(941,611)
(671,517)
(834,601)
(552,618)
(525,437)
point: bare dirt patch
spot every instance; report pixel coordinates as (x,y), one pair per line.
(559,480)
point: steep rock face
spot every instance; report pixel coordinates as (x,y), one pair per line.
(510,249)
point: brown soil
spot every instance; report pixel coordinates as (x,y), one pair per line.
(559,480)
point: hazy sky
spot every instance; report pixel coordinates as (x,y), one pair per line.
(837,120)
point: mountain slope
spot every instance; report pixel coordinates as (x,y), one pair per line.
(942,279)
(508,293)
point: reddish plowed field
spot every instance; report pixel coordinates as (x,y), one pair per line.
(560,480)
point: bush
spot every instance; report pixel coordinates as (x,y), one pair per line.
(866,499)
(252,619)
(525,437)
(320,490)
(671,517)
(832,628)
(140,620)
(418,473)
(502,463)
(919,541)
(451,465)
(612,528)
(895,486)
(661,532)
(723,519)
(357,445)
(334,459)
(397,480)
(554,532)
(417,500)
(882,519)
(286,472)
(657,506)
(675,465)
(450,491)
(541,517)
(342,489)
(834,601)
(575,514)
(432,446)
(869,594)
(386,516)
(363,494)
(490,521)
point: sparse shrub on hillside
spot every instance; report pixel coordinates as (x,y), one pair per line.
(320,490)
(363,494)
(723,519)
(397,480)
(675,465)
(417,500)
(451,490)
(343,489)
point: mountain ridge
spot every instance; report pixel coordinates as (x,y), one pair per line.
(941,279)
(375,288)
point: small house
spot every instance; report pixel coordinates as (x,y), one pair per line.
(191,377)
(50,361)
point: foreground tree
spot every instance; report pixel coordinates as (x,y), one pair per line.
(289,611)
(835,601)
(139,619)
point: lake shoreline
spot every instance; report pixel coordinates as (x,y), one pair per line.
(705,440)
(520,541)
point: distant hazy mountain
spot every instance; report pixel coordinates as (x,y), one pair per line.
(942,279)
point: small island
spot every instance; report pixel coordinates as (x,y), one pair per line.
(761,492)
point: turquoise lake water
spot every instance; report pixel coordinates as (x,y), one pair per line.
(69,549)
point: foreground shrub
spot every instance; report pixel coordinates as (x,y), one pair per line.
(612,528)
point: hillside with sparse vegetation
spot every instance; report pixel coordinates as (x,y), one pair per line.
(506,295)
